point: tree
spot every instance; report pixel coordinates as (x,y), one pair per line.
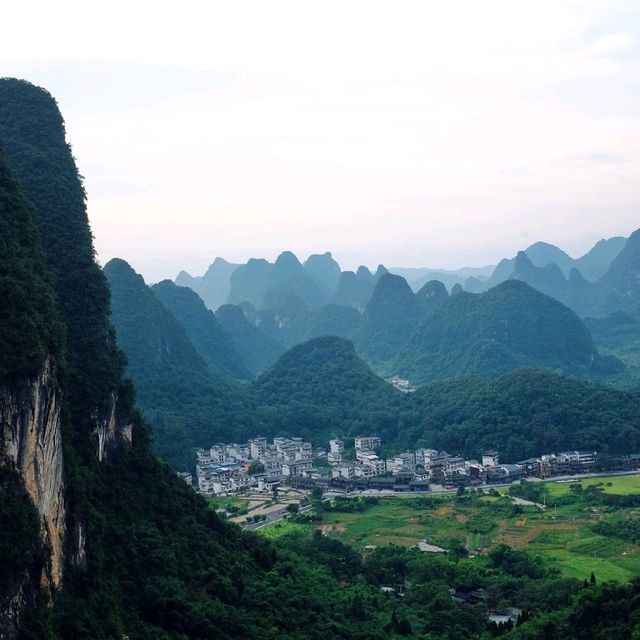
(256,467)
(293,508)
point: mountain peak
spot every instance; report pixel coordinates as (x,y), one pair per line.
(288,260)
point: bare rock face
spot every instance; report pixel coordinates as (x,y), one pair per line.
(110,432)
(31,441)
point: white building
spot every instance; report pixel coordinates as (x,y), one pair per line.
(258,448)
(336,447)
(344,471)
(367,442)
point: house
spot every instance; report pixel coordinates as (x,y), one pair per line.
(504,473)
(510,614)
(336,447)
(367,442)
(258,448)
(490,459)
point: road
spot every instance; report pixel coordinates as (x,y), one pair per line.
(276,516)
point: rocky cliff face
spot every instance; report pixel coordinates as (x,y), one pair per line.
(31,441)
(110,432)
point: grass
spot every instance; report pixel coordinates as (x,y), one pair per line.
(620,485)
(282,528)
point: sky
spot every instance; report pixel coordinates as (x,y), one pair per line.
(440,134)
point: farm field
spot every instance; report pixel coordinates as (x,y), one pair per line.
(562,535)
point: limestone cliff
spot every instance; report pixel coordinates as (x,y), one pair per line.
(31,441)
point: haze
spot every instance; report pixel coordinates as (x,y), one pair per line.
(413,133)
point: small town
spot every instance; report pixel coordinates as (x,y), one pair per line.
(291,463)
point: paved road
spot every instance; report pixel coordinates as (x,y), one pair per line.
(437,488)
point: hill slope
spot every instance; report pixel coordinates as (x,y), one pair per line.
(388,321)
(213,287)
(203,329)
(524,413)
(509,327)
(258,350)
(321,388)
(184,403)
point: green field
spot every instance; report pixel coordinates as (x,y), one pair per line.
(561,534)
(620,485)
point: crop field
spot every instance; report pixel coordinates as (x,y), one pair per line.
(562,535)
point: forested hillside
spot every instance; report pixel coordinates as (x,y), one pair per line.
(512,326)
(203,330)
(186,403)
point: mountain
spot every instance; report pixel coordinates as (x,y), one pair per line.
(542,254)
(319,387)
(258,350)
(511,326)
(214,286)
(83,482)
(99,540)
(594,264)
(430,294)
(619,287)
(355,289)
(286,318)
(203,330)
(548,279)
(418,277)
(29,320)
(324,271)
(388,321)
(259,282)
(334,320)
(183,401)
(525,412)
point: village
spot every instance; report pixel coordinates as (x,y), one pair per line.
(293,464)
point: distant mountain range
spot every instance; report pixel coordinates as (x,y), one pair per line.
(320,280)
(430,334)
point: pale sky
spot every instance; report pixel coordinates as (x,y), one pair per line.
(437,134)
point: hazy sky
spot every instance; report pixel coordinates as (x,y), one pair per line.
(423,133)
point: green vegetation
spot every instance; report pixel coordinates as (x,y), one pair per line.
(258,350)
(203,330)
(523,414)
(580,531)
(29,323)
(184,402)
(334,320)
(388,321)
(33,134)
(20,545)
(512,326)
(320,388)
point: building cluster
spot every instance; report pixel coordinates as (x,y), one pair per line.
(228,468)
(289,462)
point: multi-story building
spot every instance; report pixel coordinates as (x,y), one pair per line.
(367,442)
(258,448)
(490,459)
(336,447)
